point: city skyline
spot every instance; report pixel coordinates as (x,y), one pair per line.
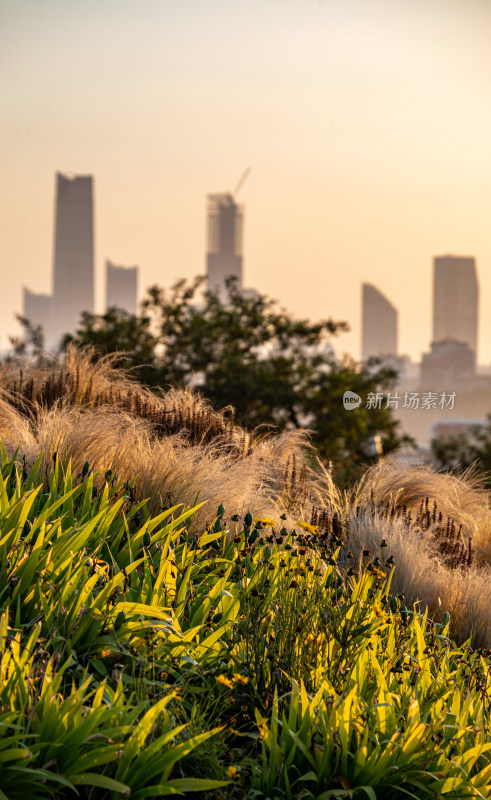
(455,280)
(366,124)
(455,295)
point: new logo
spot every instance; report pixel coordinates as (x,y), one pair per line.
(351,400)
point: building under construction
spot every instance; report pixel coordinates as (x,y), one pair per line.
(224,254)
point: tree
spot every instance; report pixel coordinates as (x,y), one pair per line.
(250,354)
(471,448)
(31,344)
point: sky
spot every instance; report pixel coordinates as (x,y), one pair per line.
(366,125)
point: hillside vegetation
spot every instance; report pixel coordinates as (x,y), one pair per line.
(188,608)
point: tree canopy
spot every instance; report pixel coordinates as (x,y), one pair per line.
(249,353)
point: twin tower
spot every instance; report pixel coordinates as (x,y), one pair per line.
(73,266)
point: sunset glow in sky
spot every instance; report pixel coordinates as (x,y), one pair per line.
(366,124)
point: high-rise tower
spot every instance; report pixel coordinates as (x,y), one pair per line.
(379,324)
(455,300)
(73,268)
(121,287)
(224,255)
(37,308)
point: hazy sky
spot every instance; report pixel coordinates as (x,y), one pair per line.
(367,125)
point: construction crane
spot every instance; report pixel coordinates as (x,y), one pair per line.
(241,182)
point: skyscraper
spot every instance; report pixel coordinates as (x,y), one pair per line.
(37,308)
(73,268)
(121,287)
(455,300)
(224,255)
(379,324)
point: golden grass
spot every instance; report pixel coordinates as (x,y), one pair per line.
(459,496)
(419,571)
(420,575)
(176,445)
(90,383)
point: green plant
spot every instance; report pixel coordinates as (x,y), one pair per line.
(141,654)
(406,731)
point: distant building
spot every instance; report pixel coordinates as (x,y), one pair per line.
(121,287)
(408,371)
(455,300)
(251,294)
(224,254)
(73,268)
(379,324)
(449,365)
(446,429)
(37,308)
